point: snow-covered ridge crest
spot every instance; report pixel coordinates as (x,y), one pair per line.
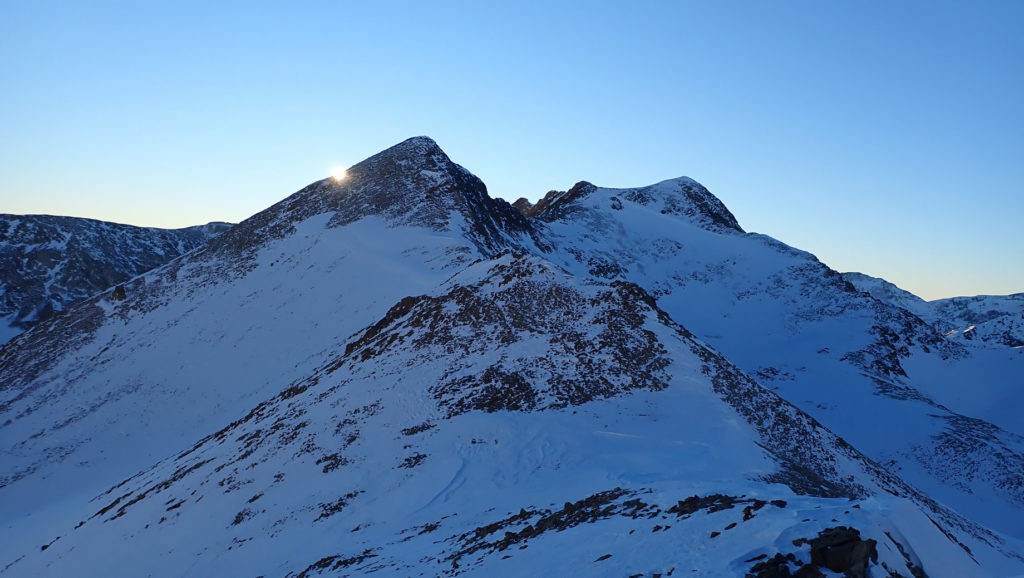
(994,320)
(682,197)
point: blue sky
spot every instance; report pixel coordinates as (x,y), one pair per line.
(885,137)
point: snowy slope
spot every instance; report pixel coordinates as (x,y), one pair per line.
(643,445)
(996,320)
(985,384)
(396,373)
(49,263)
(800,327)
(190,344)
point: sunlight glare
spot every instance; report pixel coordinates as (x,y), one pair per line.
(338,173)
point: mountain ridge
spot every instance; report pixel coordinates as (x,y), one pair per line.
(48,263)
(379,376)
(681,196)
(997,320)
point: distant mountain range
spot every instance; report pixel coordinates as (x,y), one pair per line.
(397,374)
(49,263)
(996,319)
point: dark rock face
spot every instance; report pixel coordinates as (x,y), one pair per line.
(555,203)
(499,536)
(838,549)
(1010,340)
(49,263)
(523,205)
(521,297)
(778,567)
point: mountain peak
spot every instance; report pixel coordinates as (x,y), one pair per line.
(418,151)
(422,144)
(413,183)
(699,203)
(680,196)
(416,183)
(415,162)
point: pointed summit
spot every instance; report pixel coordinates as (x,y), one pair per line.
(404,160)
(422,146)
(413,183)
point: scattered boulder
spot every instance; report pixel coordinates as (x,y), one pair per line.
(775,567)
(840,549)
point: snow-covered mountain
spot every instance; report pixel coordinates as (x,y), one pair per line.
(395,373)
(49,263)
(997,320)
(802,329)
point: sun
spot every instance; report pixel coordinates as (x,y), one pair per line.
(338,173)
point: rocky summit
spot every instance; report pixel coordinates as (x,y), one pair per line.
(396,374)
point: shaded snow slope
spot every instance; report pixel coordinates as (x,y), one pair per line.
(49,263)
(183,354)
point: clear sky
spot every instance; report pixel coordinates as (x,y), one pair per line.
(884,137)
